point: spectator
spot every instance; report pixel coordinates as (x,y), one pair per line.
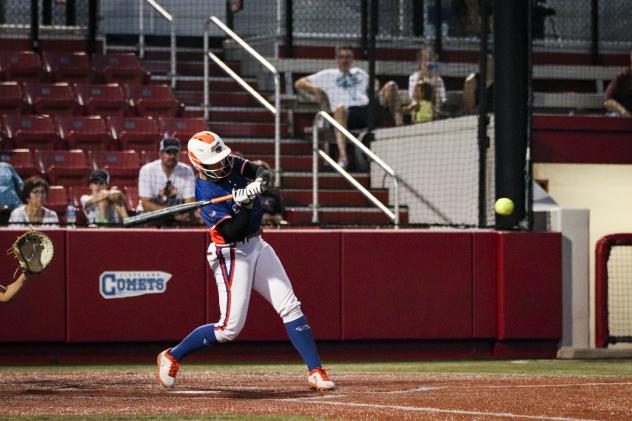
(103,205)
(422,108)
(618,96)
(166,181)
(345,89)
(10,185)
(7,293)
(271,201)
(429,71)
(471,96)
(34,192)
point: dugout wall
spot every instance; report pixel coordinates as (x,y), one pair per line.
(143,286)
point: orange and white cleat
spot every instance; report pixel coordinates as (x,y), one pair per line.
(167,369)
(319,380)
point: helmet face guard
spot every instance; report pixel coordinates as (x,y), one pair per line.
(209,155)
(216,171)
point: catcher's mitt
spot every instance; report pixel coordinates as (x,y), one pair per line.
(33,250)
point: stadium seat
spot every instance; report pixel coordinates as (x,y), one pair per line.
(50,98)
(21,66)
(131,194)
(57,200)
(33,132)
(134,132)
(153,100)
(68,168)
(101,100)
(88,133)
(67,67)
(11,101)
(21,160)
(152,155)
(122,68)
(123,166)
(182,128)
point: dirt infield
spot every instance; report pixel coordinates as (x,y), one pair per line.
(367,396)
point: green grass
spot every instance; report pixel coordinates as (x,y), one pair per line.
(622,368)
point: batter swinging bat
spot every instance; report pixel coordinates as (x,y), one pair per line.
(172,210)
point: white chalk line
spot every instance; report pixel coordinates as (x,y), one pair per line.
(439,410)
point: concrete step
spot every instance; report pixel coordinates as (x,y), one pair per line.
(266,146)
(218,98)
(331,197)
(333,180)
(184,68)
(288,163)
(243,129)
(343,216)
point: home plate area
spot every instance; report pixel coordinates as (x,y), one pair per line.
(366,396)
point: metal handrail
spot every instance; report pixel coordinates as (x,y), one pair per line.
(275,110)
(141,35)
(394,216)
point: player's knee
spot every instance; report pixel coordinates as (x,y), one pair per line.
(228,332)
(291,312)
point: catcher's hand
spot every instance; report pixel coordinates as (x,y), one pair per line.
(33,250)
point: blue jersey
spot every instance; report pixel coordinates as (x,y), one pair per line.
(215,213)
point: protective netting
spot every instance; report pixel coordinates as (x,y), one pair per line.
(620,294)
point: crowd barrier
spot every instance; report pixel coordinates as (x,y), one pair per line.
(145,285)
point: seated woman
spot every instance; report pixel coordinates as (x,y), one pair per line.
(33,193)
(103,205)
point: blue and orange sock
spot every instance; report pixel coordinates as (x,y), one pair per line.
(301,336)
(200,337)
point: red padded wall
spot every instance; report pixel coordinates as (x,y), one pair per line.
(484,294)
(312,262)
(38,312)
(529,285)
(152,317)
(405,285)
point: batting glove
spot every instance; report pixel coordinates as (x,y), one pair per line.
(263,175)
(241,197)
(254,189)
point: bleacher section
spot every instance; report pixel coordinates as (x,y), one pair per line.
(66,112)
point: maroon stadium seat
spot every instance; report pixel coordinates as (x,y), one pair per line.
(152,100)
(21,160)
(68,168)
(123,166)
(101,100)
(134,132)
(88,133)
(50,98)
(11,101)
(122,68)
(21,66)
(68,67)
(34,132)
(57,200)
(182,128)
(131,194)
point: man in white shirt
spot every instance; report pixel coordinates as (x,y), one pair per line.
(345,88)
(166,181)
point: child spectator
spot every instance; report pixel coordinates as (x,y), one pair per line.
(103,205)
(422,109)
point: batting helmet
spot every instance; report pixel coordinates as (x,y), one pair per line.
(209,155)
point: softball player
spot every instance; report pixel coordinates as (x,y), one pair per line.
(240,259)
